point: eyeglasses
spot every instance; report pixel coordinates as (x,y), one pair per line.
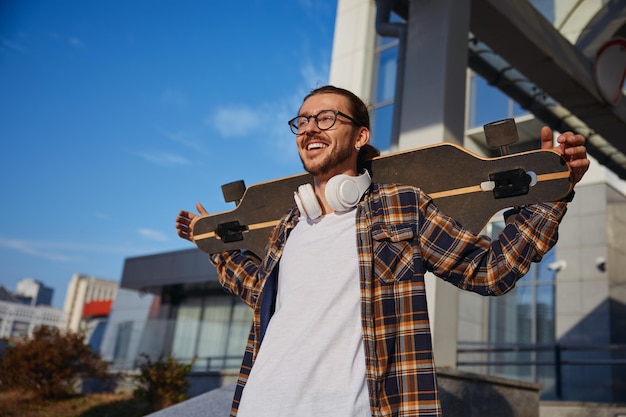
(324,120)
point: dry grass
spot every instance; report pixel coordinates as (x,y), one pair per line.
(18,404)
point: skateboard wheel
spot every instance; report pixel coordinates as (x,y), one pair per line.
(233,191)
(501,134)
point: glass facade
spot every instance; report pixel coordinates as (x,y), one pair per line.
(207,327)
(524,319)
(383,89)
(489,104)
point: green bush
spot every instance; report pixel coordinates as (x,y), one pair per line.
(49,363)
(162,383)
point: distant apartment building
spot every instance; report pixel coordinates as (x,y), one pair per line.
(87,305)
(34,292)
(28,308)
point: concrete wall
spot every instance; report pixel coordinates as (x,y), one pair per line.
(590,300)
(474,395)
(576,409)
(463,394)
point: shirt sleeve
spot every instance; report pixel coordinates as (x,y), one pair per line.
(242,273)
(480,264)
(238,274)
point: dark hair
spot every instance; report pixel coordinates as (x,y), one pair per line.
(359,112)
(357,107)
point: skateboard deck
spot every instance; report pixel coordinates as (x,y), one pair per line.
(465,186)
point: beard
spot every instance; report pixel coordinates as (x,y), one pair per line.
(331,161)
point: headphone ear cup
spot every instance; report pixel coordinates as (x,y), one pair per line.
(341,192)
(344,191)
(307,203)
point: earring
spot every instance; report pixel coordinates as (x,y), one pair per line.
(358,148)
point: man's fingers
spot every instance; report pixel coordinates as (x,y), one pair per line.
(186,220)
(546,138)
(183,214)
(185,235)
(201,209)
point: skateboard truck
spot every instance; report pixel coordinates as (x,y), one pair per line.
(514,182)
(231,231)
(510,183)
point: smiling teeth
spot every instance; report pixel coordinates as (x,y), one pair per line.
(317,145)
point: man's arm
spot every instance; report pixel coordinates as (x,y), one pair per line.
(492,267)
(235,270)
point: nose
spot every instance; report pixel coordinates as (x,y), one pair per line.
(310,126)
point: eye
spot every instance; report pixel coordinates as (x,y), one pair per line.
(326,117)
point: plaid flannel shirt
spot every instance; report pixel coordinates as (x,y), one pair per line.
(400,236)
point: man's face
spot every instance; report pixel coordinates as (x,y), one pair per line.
(325,153)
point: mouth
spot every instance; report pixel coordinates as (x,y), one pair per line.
(313,146)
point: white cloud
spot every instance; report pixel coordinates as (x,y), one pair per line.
(314,76)
(152,235)
(37,249)
(163,158)
(184,138)
(235,121)
(9,44)
(270,118)
(58,250)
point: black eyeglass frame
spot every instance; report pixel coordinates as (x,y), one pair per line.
(294,127)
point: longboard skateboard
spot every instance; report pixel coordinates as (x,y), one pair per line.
(465,186)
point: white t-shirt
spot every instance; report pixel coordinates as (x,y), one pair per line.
(312,360)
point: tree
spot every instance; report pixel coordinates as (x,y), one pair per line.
(49,363)
(162,383)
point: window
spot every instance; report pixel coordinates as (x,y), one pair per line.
(212,330)
(122,341)
(19,329)
(488,104)
(383,89)
(525,317)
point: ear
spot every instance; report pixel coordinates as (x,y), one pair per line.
(362,137)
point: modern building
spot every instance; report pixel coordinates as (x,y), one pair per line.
(23,311)
(34,292)
(433,72)
(171,304)
(438,71)
(88,302)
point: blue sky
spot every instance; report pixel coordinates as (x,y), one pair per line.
(116,114)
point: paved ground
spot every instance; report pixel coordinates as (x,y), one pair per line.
(214,403)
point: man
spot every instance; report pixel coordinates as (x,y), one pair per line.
(340,318)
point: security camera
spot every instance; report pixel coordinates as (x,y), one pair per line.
(557,266)
(601,263)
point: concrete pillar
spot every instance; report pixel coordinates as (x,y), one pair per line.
(433,102)
(433,109)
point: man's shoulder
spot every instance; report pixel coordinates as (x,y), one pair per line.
(390,189)
(396,194)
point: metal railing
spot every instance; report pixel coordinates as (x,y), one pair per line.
(558,358)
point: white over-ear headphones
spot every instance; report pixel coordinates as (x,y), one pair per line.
(343,192)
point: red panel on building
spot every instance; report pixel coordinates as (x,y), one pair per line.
(97,308)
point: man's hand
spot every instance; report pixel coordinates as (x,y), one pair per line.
(572,147)
(186,220)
